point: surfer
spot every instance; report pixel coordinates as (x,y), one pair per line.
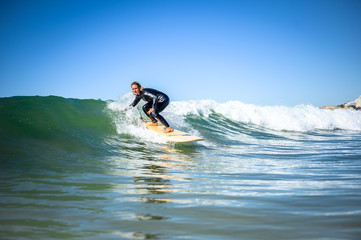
(156,102)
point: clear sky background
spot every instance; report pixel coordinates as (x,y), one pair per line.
(265,52)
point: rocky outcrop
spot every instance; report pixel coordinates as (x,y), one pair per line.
(356,105)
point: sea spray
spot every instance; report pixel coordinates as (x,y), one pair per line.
(128,120)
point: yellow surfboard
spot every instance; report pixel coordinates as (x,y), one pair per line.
(175,136)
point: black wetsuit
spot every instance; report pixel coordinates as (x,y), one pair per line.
(156,100)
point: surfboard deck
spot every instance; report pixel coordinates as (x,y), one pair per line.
(175,136)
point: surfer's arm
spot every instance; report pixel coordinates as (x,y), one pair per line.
(135,102)
(154,100)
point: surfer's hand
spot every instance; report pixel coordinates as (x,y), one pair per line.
(125,109)
(150,111)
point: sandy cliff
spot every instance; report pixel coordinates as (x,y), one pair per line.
(350,105)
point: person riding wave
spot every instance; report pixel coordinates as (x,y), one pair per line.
(156,103)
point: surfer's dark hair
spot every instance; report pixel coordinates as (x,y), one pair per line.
(136,83)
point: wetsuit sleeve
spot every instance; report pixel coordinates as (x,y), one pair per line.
(154,102)
(136,101)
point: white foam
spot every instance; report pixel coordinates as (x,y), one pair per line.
(297,118)
(129,122)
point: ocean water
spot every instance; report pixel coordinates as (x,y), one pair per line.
(83,169)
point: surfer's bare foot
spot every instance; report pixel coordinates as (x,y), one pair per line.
(168,130)
(153,124)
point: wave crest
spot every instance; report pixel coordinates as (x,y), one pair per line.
(297,118)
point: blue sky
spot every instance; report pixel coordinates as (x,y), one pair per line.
(275,52)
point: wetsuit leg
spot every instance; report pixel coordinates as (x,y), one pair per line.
(160,107)
(146,108)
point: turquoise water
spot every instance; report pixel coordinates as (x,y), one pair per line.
(83,169)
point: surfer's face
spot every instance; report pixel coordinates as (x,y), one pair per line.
(135,89)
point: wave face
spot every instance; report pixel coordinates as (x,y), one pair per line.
(48,117)
(86,169)
(51,127)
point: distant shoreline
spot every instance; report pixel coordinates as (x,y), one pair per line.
(355,105)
